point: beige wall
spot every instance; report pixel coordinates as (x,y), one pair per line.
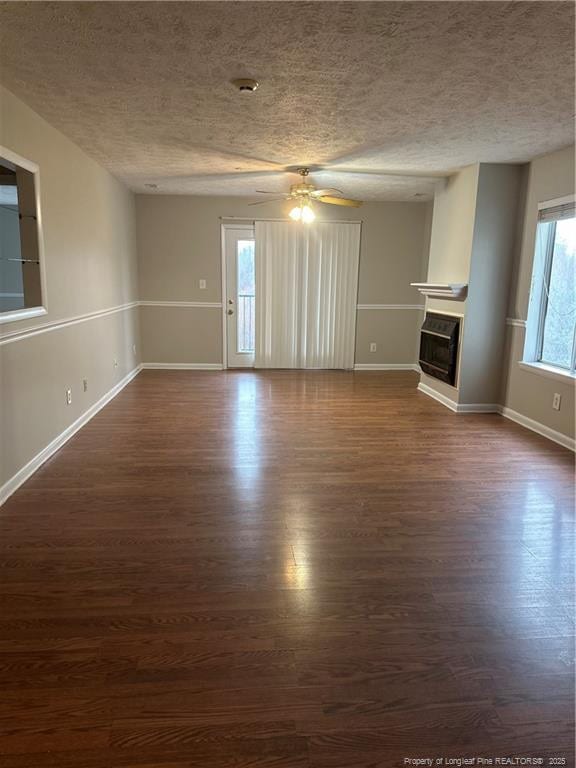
(179,243)
(483,233)
(473,239)
(530,394)
(181,335)
(527,393)
(453,228)
(452,234)
(499,188)
(396,348)
(90,261)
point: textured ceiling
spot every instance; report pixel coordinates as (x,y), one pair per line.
(410,89)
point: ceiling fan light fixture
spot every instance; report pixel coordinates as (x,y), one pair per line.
(302,212)
(305,194)
(308,214)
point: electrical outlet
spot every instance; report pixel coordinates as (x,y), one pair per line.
(115,363)
(202,284)
(68,397)
(134,349)
(557,399)
(372,346)
(85,384)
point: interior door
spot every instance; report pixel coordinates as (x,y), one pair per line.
(240,295)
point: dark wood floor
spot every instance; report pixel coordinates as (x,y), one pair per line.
(303,570)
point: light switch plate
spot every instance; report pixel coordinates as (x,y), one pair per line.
(202,285)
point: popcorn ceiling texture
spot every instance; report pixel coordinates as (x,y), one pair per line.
(413,88)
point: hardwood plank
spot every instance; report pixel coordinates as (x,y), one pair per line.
(287,569)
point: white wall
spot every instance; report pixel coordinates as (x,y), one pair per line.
(90,260)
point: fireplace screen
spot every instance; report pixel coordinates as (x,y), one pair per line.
(439,346)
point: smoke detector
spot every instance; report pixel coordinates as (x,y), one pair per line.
(245,85)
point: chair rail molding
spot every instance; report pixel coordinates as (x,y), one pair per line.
(516,322)
(208,304)
(56,325)
(419,307)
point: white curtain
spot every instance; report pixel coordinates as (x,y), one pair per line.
(306,286)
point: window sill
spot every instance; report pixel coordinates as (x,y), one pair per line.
(548,370)
(21,314)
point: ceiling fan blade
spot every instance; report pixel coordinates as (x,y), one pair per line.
(339,201)
(265,192)
(335,169)
(270,200)
(326,191)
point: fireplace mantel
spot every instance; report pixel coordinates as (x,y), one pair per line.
(450,291)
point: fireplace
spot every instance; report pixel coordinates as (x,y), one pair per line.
(439,346)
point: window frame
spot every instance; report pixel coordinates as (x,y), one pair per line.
(538,302)
(42,309)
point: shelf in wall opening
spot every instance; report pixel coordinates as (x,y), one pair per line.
(449,291)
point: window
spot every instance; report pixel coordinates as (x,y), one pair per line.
(550,334)
(20,268)
(246,292)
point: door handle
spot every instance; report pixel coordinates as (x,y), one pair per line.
(230,301)
(230,312)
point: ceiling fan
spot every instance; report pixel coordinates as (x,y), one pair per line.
(304,194)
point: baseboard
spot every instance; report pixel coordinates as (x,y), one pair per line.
(386,367)
(459,407)
(28,469)
(508,413)
(541,429)
(452,404)
(478,408)
(219,366)
(183,366)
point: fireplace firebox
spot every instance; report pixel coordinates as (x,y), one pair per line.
(439,346)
